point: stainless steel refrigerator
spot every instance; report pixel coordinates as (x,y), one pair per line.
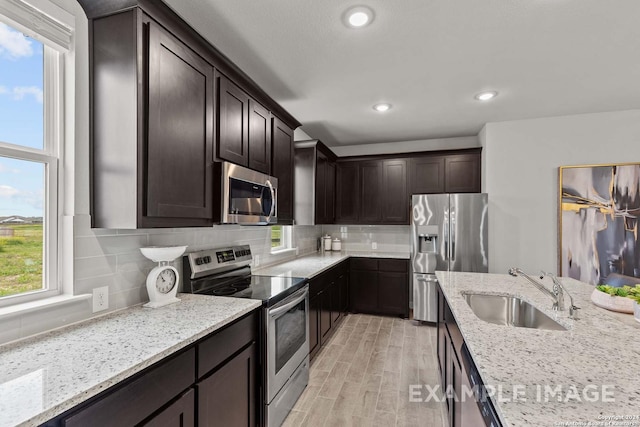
(449,233)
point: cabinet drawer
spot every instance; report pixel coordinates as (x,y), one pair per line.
(215,349)
(135,401)
(396,265)
(364,264)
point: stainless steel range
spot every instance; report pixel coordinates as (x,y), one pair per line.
(284,345)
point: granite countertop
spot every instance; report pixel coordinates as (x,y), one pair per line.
(43,376)
(311,265)
(594,362)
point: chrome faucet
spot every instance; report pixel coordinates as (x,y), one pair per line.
(557,285)
(555,295)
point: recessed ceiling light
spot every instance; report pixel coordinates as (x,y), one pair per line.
(358,17)
(382,107)
(485,96)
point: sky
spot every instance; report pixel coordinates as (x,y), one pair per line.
(21,121)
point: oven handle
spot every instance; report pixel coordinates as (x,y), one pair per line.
(273,200)
(274,313)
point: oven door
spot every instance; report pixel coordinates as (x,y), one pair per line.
(250,197)
(287,339)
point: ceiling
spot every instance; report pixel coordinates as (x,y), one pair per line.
(428,58)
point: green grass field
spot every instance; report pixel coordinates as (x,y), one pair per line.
(21,259)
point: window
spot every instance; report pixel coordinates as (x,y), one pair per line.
(280,238)
(31,117)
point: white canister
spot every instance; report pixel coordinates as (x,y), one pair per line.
(327,242)
(636,311)
(336,245)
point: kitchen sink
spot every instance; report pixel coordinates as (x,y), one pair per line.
(509,310)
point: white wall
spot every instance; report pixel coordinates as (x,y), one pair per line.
(520,173)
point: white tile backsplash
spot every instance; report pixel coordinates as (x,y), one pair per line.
(112,258)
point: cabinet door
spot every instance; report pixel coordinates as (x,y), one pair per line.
(427,175)
(330,193)
(180,130)
(231,386)
(395,207)
(347,194)
(180,413)
(259,137)
(343,286)
(393,293)
(233,122)
(314,324)
(363,291)
(371,192)
(462,173)
(282,168)
(321,183)
(335,302)
(326,299)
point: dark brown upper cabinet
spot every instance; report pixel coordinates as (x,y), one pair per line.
(233,122)
(259,137)
(244,128)
(446,172)
(152,126)
(156,92)
(347,195)
(427,175)
(462,173)
(372,192)
(395,201)
(314,183)
(282,168)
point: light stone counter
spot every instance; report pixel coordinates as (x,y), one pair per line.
(44,376)
(311,265)
(598,350)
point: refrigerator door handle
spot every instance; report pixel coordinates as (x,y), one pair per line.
(452,227)
(445,233)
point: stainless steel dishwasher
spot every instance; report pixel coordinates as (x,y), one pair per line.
(479,411)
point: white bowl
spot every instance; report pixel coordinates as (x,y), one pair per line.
(613,303)
(163,253)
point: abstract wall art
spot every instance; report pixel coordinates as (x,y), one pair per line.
(599,207)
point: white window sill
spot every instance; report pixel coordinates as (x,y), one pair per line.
(287,251)
(45,303)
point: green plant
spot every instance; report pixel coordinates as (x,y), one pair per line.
(625,291)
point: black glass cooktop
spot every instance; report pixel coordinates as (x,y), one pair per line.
(269,289)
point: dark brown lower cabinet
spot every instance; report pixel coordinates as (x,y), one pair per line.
(314,336)
(227,397)
(450,343)
(328,303)
(214,378)
(180,413)
(379,286)
(325,311)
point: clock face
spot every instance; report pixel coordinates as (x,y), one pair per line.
(166,280)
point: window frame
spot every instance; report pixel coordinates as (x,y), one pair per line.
(34,23)
(286,233)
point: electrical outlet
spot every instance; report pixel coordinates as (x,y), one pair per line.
(256,260)
(374,246)
(100,299)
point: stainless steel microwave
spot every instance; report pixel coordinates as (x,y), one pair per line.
(248,197)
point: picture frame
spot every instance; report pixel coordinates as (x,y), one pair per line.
(598,236)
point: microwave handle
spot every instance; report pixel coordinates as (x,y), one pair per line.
(273,200)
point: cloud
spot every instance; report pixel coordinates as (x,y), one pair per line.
(14,44)
(8,191)
(19,92)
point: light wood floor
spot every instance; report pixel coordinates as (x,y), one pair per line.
(362,376)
